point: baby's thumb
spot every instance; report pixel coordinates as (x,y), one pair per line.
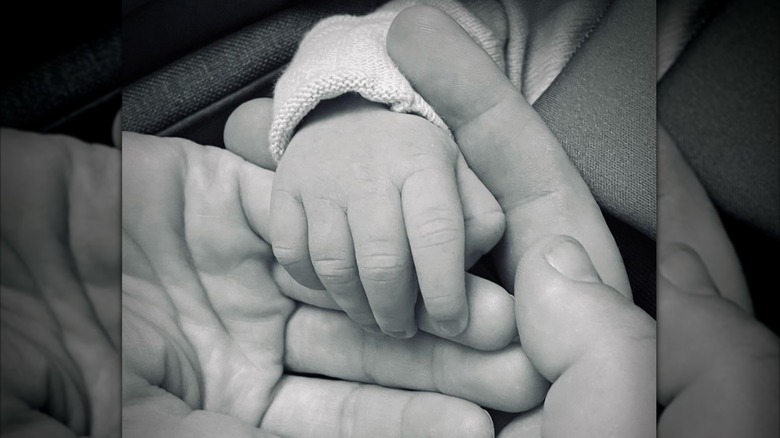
(246,132)
(483,217)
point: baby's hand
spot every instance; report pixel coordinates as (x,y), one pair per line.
(363,198)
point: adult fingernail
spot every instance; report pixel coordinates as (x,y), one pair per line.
(681,266)
(452,327)
(492,431)
(569,258)
(402,334)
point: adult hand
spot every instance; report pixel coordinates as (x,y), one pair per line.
(717,369)
(574,314)
(504,141)
(370,203)
(490,324)
(211,344)
(60,286)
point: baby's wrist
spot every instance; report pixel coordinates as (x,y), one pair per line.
(346,103)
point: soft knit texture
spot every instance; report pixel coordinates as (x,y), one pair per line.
(345,54)
(530,41)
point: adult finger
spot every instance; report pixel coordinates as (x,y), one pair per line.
(384,260)
(290,238)
(482,215)
(246,132)
(504,141)
(503,379)
(717,372)
(308,407)
(717,369)
(592,343)
(491,311)
(686,215)
(491,323)
(333,258)
(525,425)
(434,224)
(255,187)
(154,412)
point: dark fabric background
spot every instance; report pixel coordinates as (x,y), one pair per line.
(601,107)
(720,102)
(197,81)
(65,79)
(156,32)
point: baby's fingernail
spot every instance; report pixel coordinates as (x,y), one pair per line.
(569,258)
(453,327)
(402,334)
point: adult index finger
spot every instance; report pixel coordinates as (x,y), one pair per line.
(504,141)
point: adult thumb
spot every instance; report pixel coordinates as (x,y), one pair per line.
(717,367)
(591,342)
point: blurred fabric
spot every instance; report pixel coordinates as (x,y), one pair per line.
(719,99)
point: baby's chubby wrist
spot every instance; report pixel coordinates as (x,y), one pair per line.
(346,103)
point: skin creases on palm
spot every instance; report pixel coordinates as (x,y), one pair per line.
(209,340)
(60,286)
(202,317)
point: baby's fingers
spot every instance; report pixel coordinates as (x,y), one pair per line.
(491,317)
(434,224)
(383,258)
(491,311)
(289,238)
(333,258)
(482,215)
(246,132)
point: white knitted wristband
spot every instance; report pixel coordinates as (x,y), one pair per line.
(344,54)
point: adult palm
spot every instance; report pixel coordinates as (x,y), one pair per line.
(211,344)
(60,293)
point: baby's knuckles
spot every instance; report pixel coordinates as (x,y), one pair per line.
(382,145)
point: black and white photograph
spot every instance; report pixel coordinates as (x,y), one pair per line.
(390,218)
(411,218)
(60,202)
